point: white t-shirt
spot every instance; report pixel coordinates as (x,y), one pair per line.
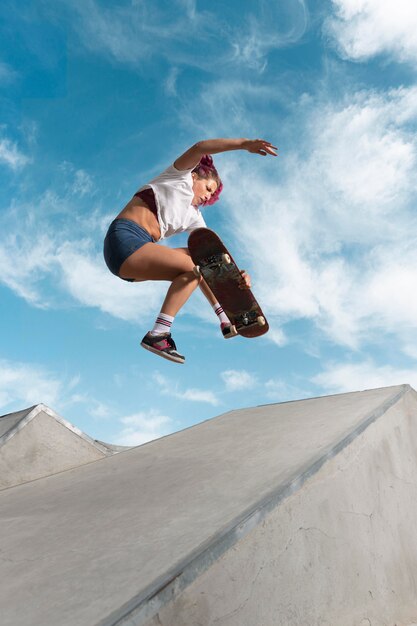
(173,190)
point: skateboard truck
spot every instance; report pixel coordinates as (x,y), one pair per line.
(250,318)
(213,262)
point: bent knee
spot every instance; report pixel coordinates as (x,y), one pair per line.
(187,264)
(190,276)
(184,250)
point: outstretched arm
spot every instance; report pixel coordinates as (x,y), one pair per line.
(192,156)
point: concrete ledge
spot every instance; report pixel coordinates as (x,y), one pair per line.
(172,583)
(37,442)
(174,531)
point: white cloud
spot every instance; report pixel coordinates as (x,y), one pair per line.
(238,380)
(344,377)
(320,229)
(250,51)
(99,410)
(171,81)
(127,34)
(24,263)
(279,390)
(170,388)
(88,281)
(197,395)
(11,156)
(143,427)
(410,349)
(391,292)
(116,32)
(365,28)
(227,104)
(274,25)
(37,259)
(78,181)
(335,218)
(23,385)
(364,149)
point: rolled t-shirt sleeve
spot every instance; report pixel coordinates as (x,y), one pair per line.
(171,173)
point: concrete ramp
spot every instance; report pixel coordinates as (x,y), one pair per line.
(37,442)
(295,514)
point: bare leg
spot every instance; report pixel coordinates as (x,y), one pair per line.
(154,262)
(223,319)
(208,292)
(177,295)
(203,285)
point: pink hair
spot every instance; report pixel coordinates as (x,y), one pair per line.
(206,169)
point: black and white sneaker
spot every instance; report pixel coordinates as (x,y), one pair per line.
(163,345)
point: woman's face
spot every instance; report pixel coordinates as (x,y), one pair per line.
(203,189)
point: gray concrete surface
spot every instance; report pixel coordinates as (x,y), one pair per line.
(300,513)
(340,551)
(37,442)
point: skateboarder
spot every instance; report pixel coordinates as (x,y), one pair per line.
(170,204)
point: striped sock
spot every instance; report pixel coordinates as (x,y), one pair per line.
(162,324)
(218,309)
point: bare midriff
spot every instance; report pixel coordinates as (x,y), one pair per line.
(138,211)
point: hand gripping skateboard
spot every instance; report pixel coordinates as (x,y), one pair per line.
(215,264)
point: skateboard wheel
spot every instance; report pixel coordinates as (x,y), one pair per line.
(233,331)
(197,271)
(261,320)
(226,258)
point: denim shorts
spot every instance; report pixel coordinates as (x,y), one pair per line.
(123,238)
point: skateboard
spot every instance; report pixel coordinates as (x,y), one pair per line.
(215,264)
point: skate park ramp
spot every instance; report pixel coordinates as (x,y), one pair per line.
(294,514)
(37,442)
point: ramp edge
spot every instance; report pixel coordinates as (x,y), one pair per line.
(39,408)
(164,589)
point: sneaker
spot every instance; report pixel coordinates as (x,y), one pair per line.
(228,330)
(163,345)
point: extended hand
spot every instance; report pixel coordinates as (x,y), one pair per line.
(245,282)
(259,146)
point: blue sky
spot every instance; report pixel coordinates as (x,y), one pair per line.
(99,96)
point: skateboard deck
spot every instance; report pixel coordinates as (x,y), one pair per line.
(216,265)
